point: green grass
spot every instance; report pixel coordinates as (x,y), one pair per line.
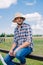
(1,63)
(38,50)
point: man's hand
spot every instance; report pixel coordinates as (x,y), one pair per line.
(11,52)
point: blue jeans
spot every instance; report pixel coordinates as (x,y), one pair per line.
(20,55)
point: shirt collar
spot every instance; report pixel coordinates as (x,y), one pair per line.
(20,27)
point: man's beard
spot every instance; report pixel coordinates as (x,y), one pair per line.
(19,23)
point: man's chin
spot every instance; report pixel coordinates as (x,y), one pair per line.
(19,23)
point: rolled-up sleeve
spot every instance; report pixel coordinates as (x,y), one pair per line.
(29,35)
(14,38)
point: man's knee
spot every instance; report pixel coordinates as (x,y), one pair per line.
(18,55)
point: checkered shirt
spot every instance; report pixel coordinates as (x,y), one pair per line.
(23,34)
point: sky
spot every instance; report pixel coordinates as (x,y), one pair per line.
(31,9)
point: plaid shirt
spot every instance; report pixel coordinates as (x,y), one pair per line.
(23,34)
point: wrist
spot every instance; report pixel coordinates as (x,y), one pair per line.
(20,47)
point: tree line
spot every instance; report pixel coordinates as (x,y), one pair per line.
(6,35)
(12,35)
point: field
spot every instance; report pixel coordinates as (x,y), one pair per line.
(38,49)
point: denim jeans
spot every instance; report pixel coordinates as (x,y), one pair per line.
(20,55)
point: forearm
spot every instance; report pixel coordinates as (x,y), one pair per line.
(25,44)
(13,46)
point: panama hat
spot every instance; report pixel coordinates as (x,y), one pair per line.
(18,15)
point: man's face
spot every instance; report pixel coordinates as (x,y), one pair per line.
(19,21)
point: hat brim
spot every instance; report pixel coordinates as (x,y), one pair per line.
(14,20)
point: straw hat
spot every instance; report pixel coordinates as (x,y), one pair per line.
(17,15)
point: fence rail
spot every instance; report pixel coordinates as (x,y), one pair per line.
(31,56)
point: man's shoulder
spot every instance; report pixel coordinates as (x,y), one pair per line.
(15,29)
(26,25)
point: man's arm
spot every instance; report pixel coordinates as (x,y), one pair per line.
(11,50)
(13,46)
(25,44)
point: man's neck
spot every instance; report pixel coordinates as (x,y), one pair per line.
(19,25)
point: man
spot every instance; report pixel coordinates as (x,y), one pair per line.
(22,44)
